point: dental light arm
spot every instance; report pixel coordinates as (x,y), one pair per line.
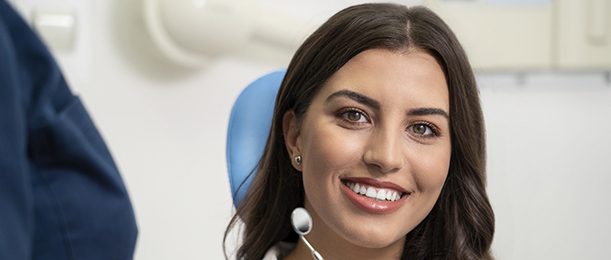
(192,32)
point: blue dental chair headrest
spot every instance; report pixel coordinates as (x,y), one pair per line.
(249,125)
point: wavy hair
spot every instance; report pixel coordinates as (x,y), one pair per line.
(461,224)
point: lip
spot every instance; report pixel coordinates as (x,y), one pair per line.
(370,205)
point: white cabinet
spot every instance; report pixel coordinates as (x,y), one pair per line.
(501,35)
(582,34)
(512,35)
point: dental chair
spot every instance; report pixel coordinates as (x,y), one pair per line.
(249,125)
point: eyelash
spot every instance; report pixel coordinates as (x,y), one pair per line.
(342,114)
(434,130)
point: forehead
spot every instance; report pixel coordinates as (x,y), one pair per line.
(395,78)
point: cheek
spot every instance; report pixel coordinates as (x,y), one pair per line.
(327,150)
(431,170)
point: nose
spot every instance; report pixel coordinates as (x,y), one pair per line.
(383,151)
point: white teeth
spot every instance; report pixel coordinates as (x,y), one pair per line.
(374,193)
(371,192)
(355,187)
(381,195)
(363,190)
(390,195)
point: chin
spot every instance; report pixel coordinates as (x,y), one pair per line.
(373,238)
(376,243)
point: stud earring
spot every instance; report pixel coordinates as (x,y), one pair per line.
(298,160)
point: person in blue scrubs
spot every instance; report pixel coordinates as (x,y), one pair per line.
(61,195)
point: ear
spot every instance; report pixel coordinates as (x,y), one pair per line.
(290,130)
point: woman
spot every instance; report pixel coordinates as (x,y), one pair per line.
(378,132)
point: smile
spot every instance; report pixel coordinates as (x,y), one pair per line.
(373,196)
(374,193)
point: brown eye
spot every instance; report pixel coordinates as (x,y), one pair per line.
(423,130)
(354,116)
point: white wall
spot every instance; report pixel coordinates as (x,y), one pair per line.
(548,166)
(548,140)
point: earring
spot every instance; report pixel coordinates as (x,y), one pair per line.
(298,160)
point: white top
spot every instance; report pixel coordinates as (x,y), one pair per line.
(278,251)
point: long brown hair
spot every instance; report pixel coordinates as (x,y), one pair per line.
(461,224)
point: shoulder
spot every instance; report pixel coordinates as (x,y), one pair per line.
(278,251)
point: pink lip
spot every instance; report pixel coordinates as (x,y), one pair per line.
(370,205)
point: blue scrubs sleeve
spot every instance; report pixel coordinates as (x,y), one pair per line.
(61,195)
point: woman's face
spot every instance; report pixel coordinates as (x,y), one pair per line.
(375,144)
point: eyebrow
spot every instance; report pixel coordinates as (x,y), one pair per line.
(425,111)
(365,100)
(370,102)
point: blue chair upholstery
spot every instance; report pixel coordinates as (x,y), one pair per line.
(249,125)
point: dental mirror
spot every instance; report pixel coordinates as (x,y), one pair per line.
(301,220)
(302,224)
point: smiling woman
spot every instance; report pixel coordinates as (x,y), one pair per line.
(360,131)
(378,133)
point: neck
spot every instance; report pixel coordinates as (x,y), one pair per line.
(332,246)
